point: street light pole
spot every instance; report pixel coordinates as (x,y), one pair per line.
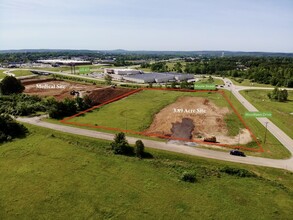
(265,137)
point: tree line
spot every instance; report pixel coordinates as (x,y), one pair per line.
(277,71)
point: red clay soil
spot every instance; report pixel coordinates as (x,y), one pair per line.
(31,81)
(106,94)
(96,94)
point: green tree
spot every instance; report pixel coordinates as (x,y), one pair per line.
(210,79)
(178,67)
(10,85)
(61,109)
(83,103)
(10,129)
(139,148)
(108,79)
(120,144)
(280,95)
(173,85)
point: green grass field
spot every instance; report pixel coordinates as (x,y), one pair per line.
(2,75)
(136,112)
(273,148)
(53,175)
(68,69)
(216,81)
(247,82)
(280,110)
(20,72)
(17,73)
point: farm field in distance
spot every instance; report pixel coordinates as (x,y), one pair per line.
(55,171)
(282,112)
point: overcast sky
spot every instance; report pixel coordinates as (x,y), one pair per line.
(238,25)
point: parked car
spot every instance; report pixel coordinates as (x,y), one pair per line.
(237,153)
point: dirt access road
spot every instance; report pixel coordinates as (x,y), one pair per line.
(282,164)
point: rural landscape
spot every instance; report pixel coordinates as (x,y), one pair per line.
(162,129)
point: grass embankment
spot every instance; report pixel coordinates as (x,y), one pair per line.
(55,175)
(273,148)
(137,111)
(247,82)
(18,73)
(2,75)
(281,111)
(215,81)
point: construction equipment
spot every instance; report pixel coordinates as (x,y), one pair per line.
(212,139)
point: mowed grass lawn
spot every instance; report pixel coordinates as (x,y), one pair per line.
(53,175)
(17,73)
(280,110)
(21,73)
(136,112)
(273,148)
(216,81)
(2,75)
(247,82)
(68,68)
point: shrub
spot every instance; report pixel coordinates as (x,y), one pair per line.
(10,129)
(188,177)
(120,145)
(237,172)
(10,85)
(60,110)
(21,104)
(139,148)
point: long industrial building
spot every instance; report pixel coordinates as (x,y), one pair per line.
(64,62)
(121,71)
(138,76)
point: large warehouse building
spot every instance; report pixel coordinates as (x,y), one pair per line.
(138,76)
(121,71)
(158,77)
(64,62)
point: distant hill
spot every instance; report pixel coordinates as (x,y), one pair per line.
(145,52)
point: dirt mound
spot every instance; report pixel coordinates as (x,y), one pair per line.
(61,89)
(26,82)
(206,117)
(56,88)
(106,94)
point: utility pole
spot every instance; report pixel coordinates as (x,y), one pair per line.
(125,121)
(265,137)
(239,137)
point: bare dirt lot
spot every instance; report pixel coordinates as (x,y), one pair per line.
(207,120)
(61,90)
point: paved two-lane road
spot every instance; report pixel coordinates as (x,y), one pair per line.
(272,128)
(283,164)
